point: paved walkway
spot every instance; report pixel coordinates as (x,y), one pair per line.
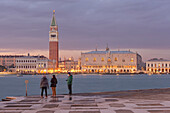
(137,101)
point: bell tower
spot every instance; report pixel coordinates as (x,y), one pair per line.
(53,42)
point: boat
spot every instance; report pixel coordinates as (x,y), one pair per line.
(19,75)
(7,73)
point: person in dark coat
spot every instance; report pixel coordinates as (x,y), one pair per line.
(53,85)
(44,85)
(69,83)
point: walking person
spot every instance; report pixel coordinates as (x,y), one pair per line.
(69,83)
(44,85)
(53,85)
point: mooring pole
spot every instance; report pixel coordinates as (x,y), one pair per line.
(26,82)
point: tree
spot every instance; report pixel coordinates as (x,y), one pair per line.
(2,68)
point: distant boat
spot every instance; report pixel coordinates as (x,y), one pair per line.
(19,75)
(7,73)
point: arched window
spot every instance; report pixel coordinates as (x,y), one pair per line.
(116,59)
(109,60)
(132,60)
(102,59)
(94,59)
(87,59)
(123,60)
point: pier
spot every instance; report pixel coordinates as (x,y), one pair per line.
(132,101)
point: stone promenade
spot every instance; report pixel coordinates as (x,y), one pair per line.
(136,101)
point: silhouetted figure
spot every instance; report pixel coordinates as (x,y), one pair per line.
(53,85)
(69,82)
(44,85)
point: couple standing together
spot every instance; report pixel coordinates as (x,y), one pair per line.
(44,84)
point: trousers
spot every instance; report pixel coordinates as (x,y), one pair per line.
(42,90)
(53,90)
(70,88)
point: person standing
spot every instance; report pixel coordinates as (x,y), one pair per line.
(69,83)
(53,85)
(44,85)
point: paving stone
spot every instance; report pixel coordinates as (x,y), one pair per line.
(25,103)
(87,100)
(84,105)
(50,106)
(30,100)
(123,111)
(33,97)
(54,100)
(159,111)
(18,106)
(116,105)
(84,112)
(45,111)
(59,97)
(68,103)
(9,112)
(149,104)
(111,100)
(151,107)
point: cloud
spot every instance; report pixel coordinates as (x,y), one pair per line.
(83,24)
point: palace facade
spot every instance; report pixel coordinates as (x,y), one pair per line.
(110,62)
(69,65)
(158,66)
(31,64)
(8,60)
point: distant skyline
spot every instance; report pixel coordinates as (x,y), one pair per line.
(139,25)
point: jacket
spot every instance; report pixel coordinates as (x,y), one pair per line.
(44,82)
(53,82)
(69,80)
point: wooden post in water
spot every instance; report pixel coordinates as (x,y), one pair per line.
(26,82)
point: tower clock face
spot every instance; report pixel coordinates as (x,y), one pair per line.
(53,35)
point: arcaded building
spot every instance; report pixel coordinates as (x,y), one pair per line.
(110,62)
(8,60)
(158,66)
(32,64)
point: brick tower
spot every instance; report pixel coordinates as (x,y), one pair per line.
(53,42)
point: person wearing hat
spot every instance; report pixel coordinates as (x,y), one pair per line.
(44,85)
(69,82)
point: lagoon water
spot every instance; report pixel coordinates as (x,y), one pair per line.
(15,86)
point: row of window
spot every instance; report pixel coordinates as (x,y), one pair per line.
(159,70)
(109,59)
(110,71)
(6,60)
(108,66)
(42,65)
(26,67)
(159,65)
(25,60)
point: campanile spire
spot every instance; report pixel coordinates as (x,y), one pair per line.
(53,41)
(53,21)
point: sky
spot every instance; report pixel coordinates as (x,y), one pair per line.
(142,26)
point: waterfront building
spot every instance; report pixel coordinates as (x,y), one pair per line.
(8,61)
(42,65)
(110,61)
(53,43)
(69,65)
(31,64)
(158,66)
